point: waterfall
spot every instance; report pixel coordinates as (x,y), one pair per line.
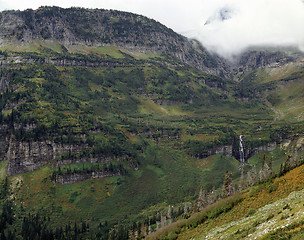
(241,150)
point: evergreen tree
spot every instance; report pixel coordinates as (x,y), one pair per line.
(241,184)
(202,199)
(250,181)
(270,168)
(288,164)
(211,198)
(254,174)
(228,188)
(185,209)
(169,214)
(264,172)
(163,221)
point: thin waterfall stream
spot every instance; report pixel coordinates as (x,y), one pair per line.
(241,150)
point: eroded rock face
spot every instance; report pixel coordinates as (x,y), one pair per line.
(267,147)
(225,150)
(77,177)
(29,156)
(64,62)
(228,151)
(251,60)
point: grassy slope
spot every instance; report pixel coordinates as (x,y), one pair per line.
(263,209)
(287,97)
(291,94)
(260,204)
(266,211)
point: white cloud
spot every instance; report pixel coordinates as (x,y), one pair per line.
(256,23)
(252,22)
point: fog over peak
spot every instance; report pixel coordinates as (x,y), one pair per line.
(273,23)
(221,15)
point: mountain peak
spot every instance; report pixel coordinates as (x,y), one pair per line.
(221,15)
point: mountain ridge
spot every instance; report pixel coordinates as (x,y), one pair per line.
(98,27)
(136,33)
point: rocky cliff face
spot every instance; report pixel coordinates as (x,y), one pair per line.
(228,151)
(254,59)
(62,61)
(76,26)
(72,178)
(29,156)
(249,152)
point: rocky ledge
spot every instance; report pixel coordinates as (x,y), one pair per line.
(77,177)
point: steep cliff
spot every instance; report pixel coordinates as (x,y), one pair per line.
(96,27)
(32,155)
(253,59)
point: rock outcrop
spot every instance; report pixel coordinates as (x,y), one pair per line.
(249,152)
(254,59)
(29,156)
(224,150)
(64,62)
(77,177)
(228,151)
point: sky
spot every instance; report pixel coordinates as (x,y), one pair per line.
(249,23)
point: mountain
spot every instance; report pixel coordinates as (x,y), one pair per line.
(95,27)
(108,119)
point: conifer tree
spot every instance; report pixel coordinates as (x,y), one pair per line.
(264,170)
(169,214)
(255,177)
(228,188)
(163,221)
(185,209)
(143,230)
(288,164)
(202,199)
(295,157)
(241,184)
(270,167)
(249,179)
(211,198)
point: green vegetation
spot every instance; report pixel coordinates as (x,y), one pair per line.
(154,128)
(155,124)
(249,213)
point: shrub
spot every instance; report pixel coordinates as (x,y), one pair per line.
(271,187)
(270,217)
(250,212)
